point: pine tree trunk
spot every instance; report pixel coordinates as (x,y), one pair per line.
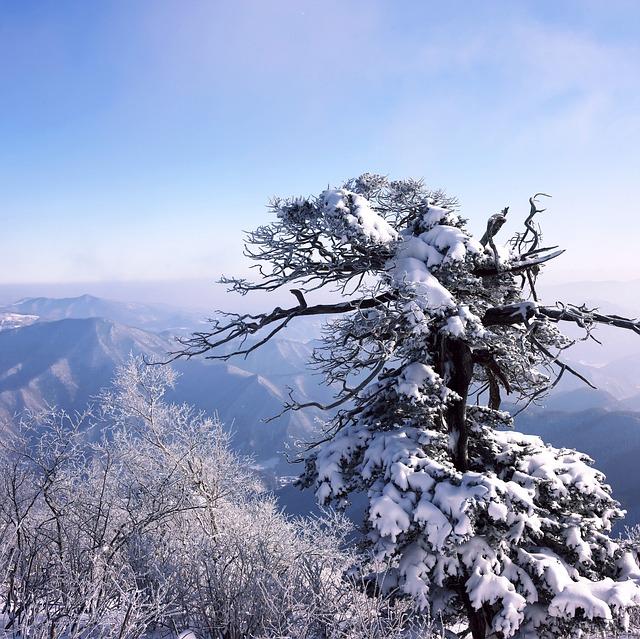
(477,624)
(456,368)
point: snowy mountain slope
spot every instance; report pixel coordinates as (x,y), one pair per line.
(278,357)
(581,399)
(615,382)
(66,362)
(154,317)
(627,371)
(15,320)
(243,401)
(63,363)
(632,403)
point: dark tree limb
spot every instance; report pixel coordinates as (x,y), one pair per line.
(242,326)
(347,396)
(554,359)
(494,391)
(582,316)
(563,367)
(495,376)
(526,262)
(302,303)
(477,619)
(519,313)
(527,243)
(494,224)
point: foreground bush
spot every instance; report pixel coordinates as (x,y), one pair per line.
(136,519)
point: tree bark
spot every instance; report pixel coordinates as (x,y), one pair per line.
(477,620)
(456,368)
(510,314)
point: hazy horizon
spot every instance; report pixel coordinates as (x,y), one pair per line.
(203,294)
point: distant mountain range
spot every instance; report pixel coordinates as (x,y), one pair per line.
(617,387)
(66,362)
(151,317)
(63,351)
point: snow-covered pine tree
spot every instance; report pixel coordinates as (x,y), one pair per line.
(484,526)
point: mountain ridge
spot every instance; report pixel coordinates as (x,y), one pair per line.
(155,317)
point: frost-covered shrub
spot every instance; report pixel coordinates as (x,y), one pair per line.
(64,530)
(157,527)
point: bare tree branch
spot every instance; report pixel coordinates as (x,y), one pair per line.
(583,317)
(580,315)
(242,326)
(494,224)
(342,399)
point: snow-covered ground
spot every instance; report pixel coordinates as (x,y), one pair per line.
(15,320)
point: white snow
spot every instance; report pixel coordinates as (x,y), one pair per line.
(388,512)
(15,320)
(435,523)
(355,218)
(417,256)
(413,377)
(449,240)
(412,272)
(525,309)
(594,598)
(435,215)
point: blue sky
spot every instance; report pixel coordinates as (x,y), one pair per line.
(139,138)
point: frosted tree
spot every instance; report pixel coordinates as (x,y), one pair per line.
(495,532)
(157,529)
